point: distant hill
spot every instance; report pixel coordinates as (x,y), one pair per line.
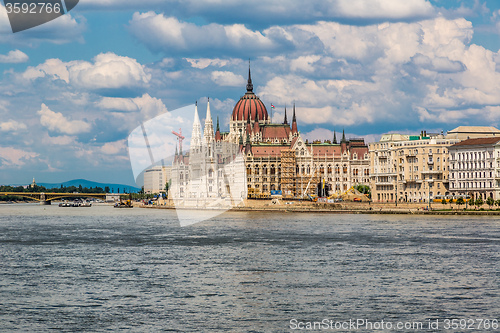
(90,184)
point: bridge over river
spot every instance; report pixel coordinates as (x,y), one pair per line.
(47,198)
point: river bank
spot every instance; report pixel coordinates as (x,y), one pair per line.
(342,208)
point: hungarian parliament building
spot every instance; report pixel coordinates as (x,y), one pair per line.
(257,158)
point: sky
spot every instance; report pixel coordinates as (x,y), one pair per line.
(73,89)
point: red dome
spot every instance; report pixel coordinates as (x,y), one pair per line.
(248,106)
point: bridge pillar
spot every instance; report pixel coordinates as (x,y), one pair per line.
(45,202)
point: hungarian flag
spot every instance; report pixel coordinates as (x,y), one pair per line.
(272,106)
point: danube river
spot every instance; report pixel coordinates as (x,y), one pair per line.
(103,269)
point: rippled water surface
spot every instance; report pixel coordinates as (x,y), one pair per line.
(104,269)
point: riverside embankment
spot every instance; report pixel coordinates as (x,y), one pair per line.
(344,208)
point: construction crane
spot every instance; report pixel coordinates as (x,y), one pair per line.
(180,138)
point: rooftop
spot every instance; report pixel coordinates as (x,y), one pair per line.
(478,141)
(474,129)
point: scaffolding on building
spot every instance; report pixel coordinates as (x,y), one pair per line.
(288,173)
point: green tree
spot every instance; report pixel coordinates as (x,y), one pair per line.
(490,202)
(365,189)
(167,187)
(106,189)
(497,202)
(443,202)
(460,201)
(479,201)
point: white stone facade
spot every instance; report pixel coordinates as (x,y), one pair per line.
(475,168)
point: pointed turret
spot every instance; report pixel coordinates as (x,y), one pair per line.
(294,122)
(334,137)
(196,135)
(249,126)
(240,141)
(249,83)
(256,126)
(285,121)
(208,133)
(218,137)
(343,143)
(248,146)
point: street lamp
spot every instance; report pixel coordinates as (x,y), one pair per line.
(429,185)
(396,194)
(466,191)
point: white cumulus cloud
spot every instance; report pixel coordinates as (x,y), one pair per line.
(108,72)
(384,8)
(225,78)
(147,105)
(56,121)
(12,157)
(113,148)
(14,57)
(12,126)
(168,34)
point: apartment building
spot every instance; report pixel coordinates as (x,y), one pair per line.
(475,168)
(156,178)
(409,168)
